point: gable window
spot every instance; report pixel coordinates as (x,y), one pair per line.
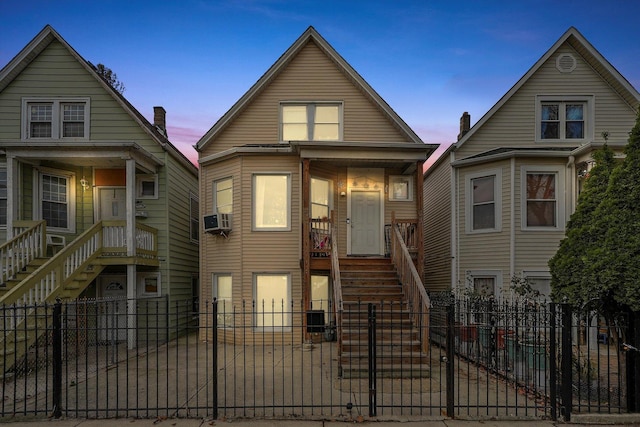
(542,208)
(194,212)
(563,119)
(271,202)
(55,204)
(3,197)
(147,186)
(484,205)
(223,195)
(55,118)
(311,121)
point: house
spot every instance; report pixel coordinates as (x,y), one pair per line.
(309,171)
(86,182)
(497,202)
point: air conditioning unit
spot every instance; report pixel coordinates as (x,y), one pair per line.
(218,223)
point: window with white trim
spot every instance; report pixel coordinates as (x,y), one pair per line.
(318,121)
(149,284)
(146,186)
(57,205)
(222,291)
(400,188)
(3,197)
(540,282)
(223,196)
(271,202)
(272,293)
(320,198)
(194,215)
(484,201)
(564,119)
(542,206)
(60,118)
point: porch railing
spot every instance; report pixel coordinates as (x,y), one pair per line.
(337,288)
(18,252)
(416,296)
(321,237)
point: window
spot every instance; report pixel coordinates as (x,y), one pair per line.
(272,301)
(484,201)
(147,186)
(56,198)
(320,294)
(311,122)
(563,119)
(149,284)
(320,198)
(3,197)
(542,207)
(223,195)
(222,291)
(64,118)
(400,188)
(540,282)
(194,212)
(271,202)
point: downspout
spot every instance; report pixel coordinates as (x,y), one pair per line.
(454,220)
(572,183)
(512,221)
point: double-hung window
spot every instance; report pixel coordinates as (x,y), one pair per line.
(320,198)
(543,207)
(484,201)
(272,301)
(564,119)
(272,202)
(223,195)
(56,200)
(320,121)
(3,197)
(223,291)
(60,118)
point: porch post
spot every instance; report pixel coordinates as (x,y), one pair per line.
(419,203)
(131,252)
(12,194)
(306,255)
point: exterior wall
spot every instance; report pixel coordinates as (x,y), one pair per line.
(437,228)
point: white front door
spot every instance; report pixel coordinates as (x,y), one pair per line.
(113,316)
(365,223)
(113,203)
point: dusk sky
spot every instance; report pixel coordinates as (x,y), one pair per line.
(430,60)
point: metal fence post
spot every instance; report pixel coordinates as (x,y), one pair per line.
(566,382)
(57,358)
(553,377)
(450,369)
(633,362)
(214,367)
(372,360)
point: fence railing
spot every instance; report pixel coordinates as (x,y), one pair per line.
(488,359)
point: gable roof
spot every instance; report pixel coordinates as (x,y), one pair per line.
(310,35)
(41,41)
(589,53)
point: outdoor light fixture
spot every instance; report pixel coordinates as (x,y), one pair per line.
(84,183)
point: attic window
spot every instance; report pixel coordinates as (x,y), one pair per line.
(566,63)
(311,121)
(58,118)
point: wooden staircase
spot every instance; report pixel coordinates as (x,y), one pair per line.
(398,351)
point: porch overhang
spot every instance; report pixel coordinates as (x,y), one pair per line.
(87,154)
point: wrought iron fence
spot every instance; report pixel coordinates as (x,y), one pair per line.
(149,358)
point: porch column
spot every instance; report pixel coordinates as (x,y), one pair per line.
(306,255)
(420,209)
(12,194)
(131,252)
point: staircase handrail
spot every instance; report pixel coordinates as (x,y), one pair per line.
(22,249)
(417,298)
(46,282)
(337,286)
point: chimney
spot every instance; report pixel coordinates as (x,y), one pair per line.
(465,124)
(159,119)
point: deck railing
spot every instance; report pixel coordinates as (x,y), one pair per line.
(321,237)
(416,295)
(337,287)
(28,244)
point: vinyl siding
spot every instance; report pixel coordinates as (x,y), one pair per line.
(310,76)
(514,123)
(437,229)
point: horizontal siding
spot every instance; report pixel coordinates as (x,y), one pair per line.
(310,76)
(514,123)
(437,228)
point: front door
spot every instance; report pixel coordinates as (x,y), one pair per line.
(113,203)
(365,222)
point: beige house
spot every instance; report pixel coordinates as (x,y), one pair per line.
(95,201)
(496,203)
(310,168)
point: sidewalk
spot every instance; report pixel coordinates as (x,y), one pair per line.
(580,420)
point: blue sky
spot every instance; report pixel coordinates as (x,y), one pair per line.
(430,60)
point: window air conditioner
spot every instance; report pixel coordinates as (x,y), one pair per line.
(218,223)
